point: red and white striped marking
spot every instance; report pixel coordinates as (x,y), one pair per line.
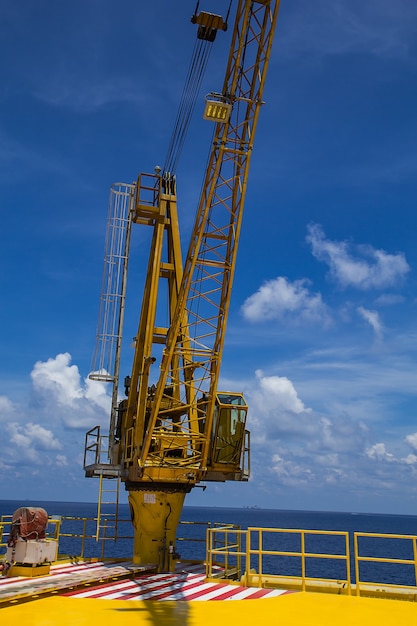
(66,576)
(187,584)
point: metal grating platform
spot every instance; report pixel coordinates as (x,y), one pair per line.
(68,576)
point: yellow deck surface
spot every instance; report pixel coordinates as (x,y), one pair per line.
(295,609)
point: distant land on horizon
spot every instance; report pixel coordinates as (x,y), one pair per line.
(34,502)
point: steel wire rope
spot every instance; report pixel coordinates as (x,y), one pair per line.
(198,64)
(186,108)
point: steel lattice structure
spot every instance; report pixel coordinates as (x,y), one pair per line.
(191,361)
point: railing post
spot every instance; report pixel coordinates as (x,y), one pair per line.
(248,575)
(260,560)
(348,575)
(83,537)
(239,557)
(209,556)
(303,562)
(356,557)
(415,559)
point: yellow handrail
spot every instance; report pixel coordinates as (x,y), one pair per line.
(238,545)
(378,559)
(231,553)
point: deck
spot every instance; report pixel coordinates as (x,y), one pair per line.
(86,593)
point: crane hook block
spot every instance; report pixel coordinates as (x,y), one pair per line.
(208,25)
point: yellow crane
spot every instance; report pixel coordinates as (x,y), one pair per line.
(170,434)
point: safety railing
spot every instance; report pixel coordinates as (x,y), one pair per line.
(53,532)
(382,564)
(397,574)
(192,545)
(267,557)
(147,192)
(225,544)
(77,537)
(93,446)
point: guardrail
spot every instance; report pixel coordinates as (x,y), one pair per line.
(77,537)
(314,560)
(405,547)
(271,557)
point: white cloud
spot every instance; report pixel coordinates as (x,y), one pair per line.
(372,318)
(412,440)
(410,459)
(32,436)
(279,393)
(278,416)
(28,444)
(294,446)
(365,268)
(6,408)
(389,299)
(378,452)
(78,404)
(96,392)
(37,435)
(301,448)
(289,472)
(279,297)
(58,377)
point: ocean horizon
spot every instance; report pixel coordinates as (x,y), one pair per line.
(35,502)
(244,517)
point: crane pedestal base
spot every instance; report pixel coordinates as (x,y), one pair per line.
(155,518)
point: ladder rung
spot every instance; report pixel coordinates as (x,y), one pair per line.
(109,528)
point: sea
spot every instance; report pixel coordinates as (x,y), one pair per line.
(194,521)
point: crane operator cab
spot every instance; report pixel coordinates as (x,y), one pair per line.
(229,446)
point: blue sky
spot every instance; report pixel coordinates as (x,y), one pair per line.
(322,334)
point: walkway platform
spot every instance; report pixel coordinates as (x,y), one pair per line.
(67,576)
